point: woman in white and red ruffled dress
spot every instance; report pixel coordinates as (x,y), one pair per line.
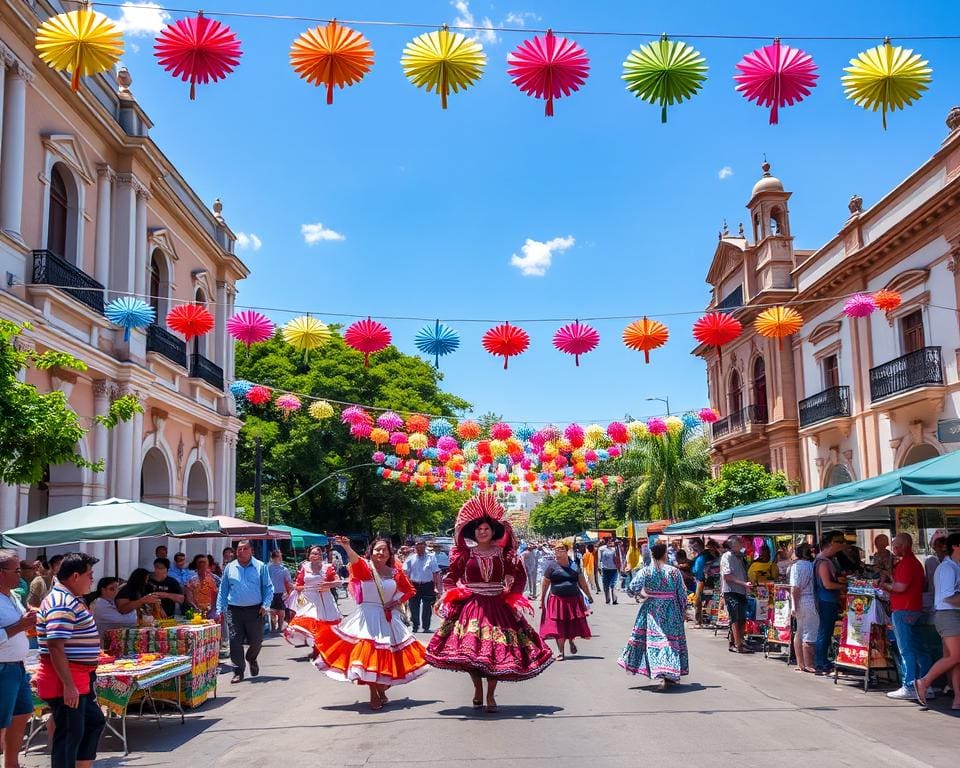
(372,646)
(312,599)
(483,632)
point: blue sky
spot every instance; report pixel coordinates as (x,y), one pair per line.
(433,205)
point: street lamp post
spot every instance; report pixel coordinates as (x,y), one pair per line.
(665,400)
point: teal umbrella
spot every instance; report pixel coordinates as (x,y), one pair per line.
(300,538)
(109,520)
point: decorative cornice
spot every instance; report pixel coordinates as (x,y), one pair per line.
(21,71)
(129,180)
(105,171)
(104,388)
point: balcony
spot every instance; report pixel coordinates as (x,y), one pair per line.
(201,368)
(739,421)
(830,404)
(922,368)
(733,300)
(50,269)
(161,341)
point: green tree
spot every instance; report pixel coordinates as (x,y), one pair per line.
(299,451)
(40,429)
(570,513)
(664,476)
(743,482)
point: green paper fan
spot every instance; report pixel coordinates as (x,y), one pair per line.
(665,72)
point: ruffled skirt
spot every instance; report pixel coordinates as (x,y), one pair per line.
(484,635)
(564,618)
(314,609)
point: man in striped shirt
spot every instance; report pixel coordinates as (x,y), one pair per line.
(66,679)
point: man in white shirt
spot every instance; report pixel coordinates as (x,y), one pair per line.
(531,564)
(16,700)
(424,573)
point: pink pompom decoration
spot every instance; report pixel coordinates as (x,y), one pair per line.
(574,433)
(288,403)
(551,432)
(447,443)
(657,426)
(501,431)
(398,437)
(361,430)
(259,394)
(859,305)
(708,415)
(389,421)
(613,451)
(526,463)
(590,455)
(378,457)
(618,432)
(250,327)
(355,415)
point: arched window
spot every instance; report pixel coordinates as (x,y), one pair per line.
(919,452)
(58,218)
(200,342)
(155,285)
(760,387)
(838,475)
(734,394)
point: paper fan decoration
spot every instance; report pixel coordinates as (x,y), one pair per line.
(645,335)
(506,341)
(859,305)
(320,410)
(443,61)
(250,327)
(437,340)
(887,300)
(239,388)
(190,320)
(129,312)
(367,336)
(576,339)
(80,43)
(665,72)
(778,322)
(708,415)
(198,50)
(776,76)
(306,334)
(717,329)
(548,67)
(288,404)
(334,56)
(886,78)
(259,394)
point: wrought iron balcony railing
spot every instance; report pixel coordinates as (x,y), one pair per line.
(921,368)
(50,269)
(738,422)
(829,404)
(161,341)
(201,368)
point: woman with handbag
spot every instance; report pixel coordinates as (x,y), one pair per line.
(312,599)
(372,646)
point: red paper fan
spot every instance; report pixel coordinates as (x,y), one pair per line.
(576,339)
(198,50)
(548,67)
(191,320)
(367,336)
(717,329)
(506,341)
(259,394)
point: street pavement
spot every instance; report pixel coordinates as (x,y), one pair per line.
(585,711)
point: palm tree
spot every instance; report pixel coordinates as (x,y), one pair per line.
(665,475)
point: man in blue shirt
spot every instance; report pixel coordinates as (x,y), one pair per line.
(246,590)
(179,570)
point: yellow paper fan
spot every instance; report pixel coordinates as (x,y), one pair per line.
(320,410)
(306,333)
(443,61)
(81,42)
(887,78)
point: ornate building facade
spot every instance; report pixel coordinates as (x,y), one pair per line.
(91,209)
(844,399)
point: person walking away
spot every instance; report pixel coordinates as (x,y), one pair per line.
(657,647)
(947,620)
(827,586)
(246,593)
(562,614)
(906,610)
(734,587)
(610,563)
(282,585)
(16,699)
(803,604)
(66,678)
(590,567)
(531,566)
(423,572)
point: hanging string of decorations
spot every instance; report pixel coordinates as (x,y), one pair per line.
(665,72)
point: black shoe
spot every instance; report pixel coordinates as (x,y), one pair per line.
(416,629)
(237,678)
(614,602)
(254,669)
(426,630)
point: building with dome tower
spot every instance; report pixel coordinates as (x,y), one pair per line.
(843,399)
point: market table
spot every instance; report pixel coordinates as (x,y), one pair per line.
(200,642)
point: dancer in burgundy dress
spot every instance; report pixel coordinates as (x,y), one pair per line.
(563,616)
(483,632)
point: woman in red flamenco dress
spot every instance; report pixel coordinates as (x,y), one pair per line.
(483,632)
(372,646)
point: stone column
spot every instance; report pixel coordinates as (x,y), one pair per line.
(126,482)
(140,244)
(6,58)
(14,143)
(123,244)
(104,208)
(229,356)
(102,391)
(220,453)
(135,458)
(231,500)
(220,327)
(9,503)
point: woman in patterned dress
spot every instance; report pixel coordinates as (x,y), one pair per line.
(312,599)
(657,647)
(483,632)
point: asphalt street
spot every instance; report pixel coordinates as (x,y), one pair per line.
(585,711)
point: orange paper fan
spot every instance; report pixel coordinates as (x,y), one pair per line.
(333,56)
(644,335)
(777,322)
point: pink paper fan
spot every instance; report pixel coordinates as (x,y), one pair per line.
(355,415)
(548,67)
(367,336)
(250,327)
(576,339)
(390,421)
(288,403)
(707,415)
(776,76)
(859,305)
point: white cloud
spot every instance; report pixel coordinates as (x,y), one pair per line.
(142,19)
(725,173)
(465,18)
(248,242)
(317,233)
(537,256)
(519,18)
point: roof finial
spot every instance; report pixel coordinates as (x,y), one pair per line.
(726,229)
(765,167)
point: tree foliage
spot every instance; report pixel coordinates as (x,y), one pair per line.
(570,513)
(40,429)
(743,482)
(299,451)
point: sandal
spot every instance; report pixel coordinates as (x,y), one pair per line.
(478,703)
(376,706)
(573,647)
(491,709)
(561,657)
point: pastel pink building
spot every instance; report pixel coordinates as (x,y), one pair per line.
(91,209)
